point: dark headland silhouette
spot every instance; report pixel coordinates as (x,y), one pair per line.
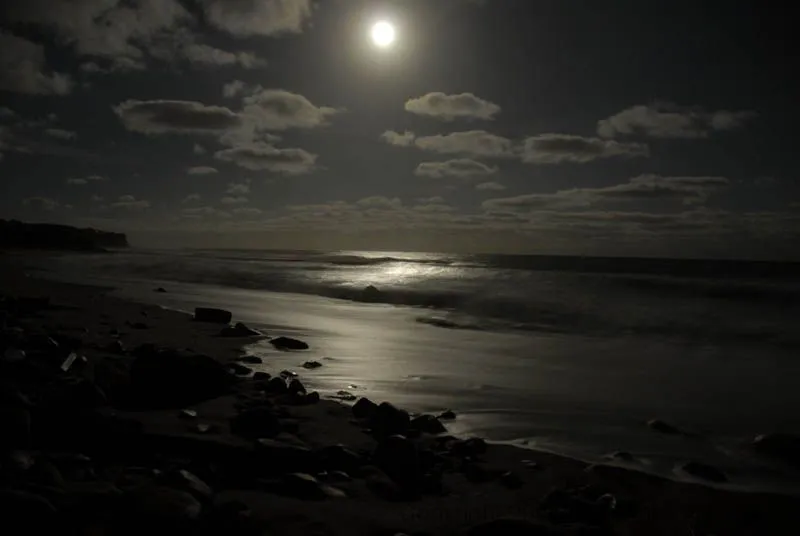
(20,235)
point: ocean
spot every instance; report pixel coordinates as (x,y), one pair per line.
(566,354)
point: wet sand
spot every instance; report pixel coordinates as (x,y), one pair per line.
(379,484)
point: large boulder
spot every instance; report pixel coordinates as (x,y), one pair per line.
(238,330)
(210,314)
(288,343)
(256,423)
(168,378)
(389,419)
(398,457)
(784,447)
(705,472)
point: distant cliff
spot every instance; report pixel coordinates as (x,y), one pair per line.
(19,235)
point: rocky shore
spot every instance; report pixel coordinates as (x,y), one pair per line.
(118,418)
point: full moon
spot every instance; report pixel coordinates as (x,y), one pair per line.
(383,34)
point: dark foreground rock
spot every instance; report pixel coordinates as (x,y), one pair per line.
(705,472)
(169,378)
(210,314)
(238,330)
(288,343)
(389,419)
(784,447)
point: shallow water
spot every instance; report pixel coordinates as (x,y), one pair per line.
(584,394)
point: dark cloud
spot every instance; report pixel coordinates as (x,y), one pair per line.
(238,188)
(559,148)
(460,167)
(23,68)
(449,107)
(208,55)
(129,202)
(234,200)
(490,186)
(40,203)
(666,120)
(277,109)
(257,17)
(191,198)
(198,149)
(83,181)
(202,170)
(688,190)
(262,156)
(61,133)
(472,142)
(170,116)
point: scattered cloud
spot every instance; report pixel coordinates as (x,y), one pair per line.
(234,200)
(257,17)
(449,107)
(238,188)
(40,203)
(460,167)
(129,202)
(233,89)
(472,142)
(61,133)
(82,181)
(208,55)
(666,120)
(396,138)
(96,198)
(490,186)
(247,212)
(202,170)
(198,149)
(172,116)
(262,156)
(6,112)
(191,198)
(277,109)
(203,212)
(23,68)
(559,148)
(688,190)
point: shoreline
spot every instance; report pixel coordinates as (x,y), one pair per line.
(503,480)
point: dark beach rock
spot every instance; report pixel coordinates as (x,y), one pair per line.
(288,343)
(139,325)
(428,424)
(305,486)
(15,427)
(339,458)
(370,293)
(24,509)
(382,486)
(389,420)
(255,423)
(77,393)
(251,360)
(11,396)
(345,396)
(276,456)
(167,378)
(161,506)
(479,473)
(277,386)
(471,447)
(210,314)
(115,347)
(310,365)
(511,480)
(364,408)
(575,507)
(785,447)
(160,290)
(239,369)
(187,414)
(296,387)
(448,415)
(398,457)
(512,527)
(663,427)
(623,456)
(704,471)
(185,481)
(261,376)
(238,330)
(288,374)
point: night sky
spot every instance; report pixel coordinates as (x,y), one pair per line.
(516,126)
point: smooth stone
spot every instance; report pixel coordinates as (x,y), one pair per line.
(428,424)
(238,330)
(251,360)
(663,427)
(339,458)
(277,386)
(281,456)
(255,423)
(305,486)
(161,290)
(188,414)
(311,365)
(239,369)
(345,396)
(261,376)
(388,420)
(512,527)
(471,447)
(448,415)
(296,387)
(398,457)
(213,315)
(286,374)
(511,480)
(364,408)
(288,343)
(163,504)
(785,447)
(188,482)
(705,472)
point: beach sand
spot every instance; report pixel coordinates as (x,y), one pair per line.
(232,466)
